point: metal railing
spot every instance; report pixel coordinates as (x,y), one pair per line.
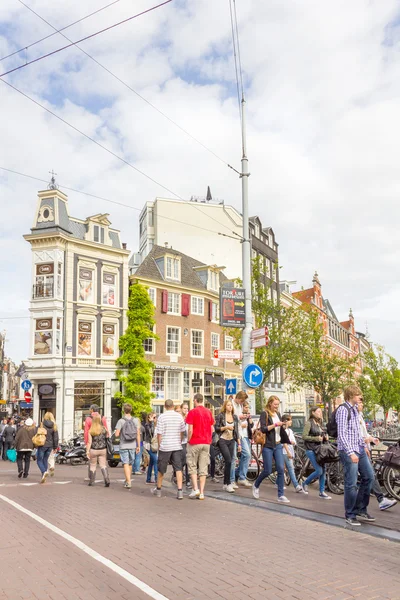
(43,290)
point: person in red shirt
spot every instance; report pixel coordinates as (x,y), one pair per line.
(94,412)
(200,427)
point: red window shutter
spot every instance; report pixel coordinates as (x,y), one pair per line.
(210,310)
(185,305)
(164,304)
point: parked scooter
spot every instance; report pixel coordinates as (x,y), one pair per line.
(77,456)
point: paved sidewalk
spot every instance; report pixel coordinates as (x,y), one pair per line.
(188,550)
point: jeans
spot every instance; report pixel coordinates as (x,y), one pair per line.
(212,461)
(290,467)
(138,460)
(153,463)
(241,470)
(356,499)
(26,457)
(233,464)
(6,446)
(319,472)
(42,458)
(268,454)
(227,448)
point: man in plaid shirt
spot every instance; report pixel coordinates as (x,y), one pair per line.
(351,447)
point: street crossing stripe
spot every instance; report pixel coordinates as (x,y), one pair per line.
(92,553)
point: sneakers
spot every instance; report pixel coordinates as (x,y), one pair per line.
(353,522)
(230,489)
(25,475)
(44,477)
(305,488)
(255,491)
(20,474)
(156,492)
(152,482)
(299,489)
(235,485)
(195,494)
(387,503)
(138,473)
(51,471)
(325,496)
(127,485)
(365,518)
(283,499)
(244,483)
(179,495)
(201,496)
(215,479)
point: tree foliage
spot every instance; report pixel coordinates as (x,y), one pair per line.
(135,371)
(380,381)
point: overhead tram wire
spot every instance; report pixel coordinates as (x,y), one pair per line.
(88,37)
(235,58)
(238,50)
(128,86)
(65,187)
(46,37)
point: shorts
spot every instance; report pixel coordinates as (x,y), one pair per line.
(128,456)
(198,459)
(165,458)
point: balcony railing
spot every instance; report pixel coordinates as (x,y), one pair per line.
(43,290)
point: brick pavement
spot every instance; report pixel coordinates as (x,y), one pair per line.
(187,550)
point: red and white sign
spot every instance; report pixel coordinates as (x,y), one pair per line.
(28,397)
(260,333)
(228,354)
(259,342)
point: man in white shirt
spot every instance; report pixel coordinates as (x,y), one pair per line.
(240,473)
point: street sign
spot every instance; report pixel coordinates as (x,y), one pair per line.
(253,375)
(228,354)
(259,342)
(232,307)
(260,333)
(27,397)
(26,385)
(24,376)
(230,386)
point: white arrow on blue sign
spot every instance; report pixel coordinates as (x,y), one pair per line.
(26,385)
(253,375)
(230,386)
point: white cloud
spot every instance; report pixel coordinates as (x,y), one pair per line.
(322,85)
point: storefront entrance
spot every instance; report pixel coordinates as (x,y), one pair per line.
(85,394)
(47,399)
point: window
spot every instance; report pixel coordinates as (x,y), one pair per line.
(197,343)
(215,312)
(172,270)
(85,338)
(257,231)
(196,383)
(149,344)
(214,343)
(274,296)
(274,268)
(44,281)
(253,254)
(58,337)
(214,280)
(173,304)
(109,289)
(59,280)
(173,385)
(197,305)
(108,341)
(207,387)
(272,377)
(152,294)
(278,376)
(151,217)
(98,234)
(228,342)
(173,340)
(86,286)
(267,267)
(158,384)
(186,384)
(43,343)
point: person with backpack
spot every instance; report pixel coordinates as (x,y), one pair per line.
(313,435)
(50,443)
(128,430)
(354,458)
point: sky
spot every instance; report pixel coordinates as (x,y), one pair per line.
(322,85)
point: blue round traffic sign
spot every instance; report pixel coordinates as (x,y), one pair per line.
(253,375)
(26,385)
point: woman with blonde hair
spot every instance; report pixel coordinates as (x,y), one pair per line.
(51,443)
(227,427)
(275,436)
(313,435)
(97,450)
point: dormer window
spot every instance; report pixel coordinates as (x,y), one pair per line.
(172,268)
(98,234)
(213,278)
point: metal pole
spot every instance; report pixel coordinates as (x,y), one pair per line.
(246,247)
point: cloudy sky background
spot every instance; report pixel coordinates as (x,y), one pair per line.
(322,82)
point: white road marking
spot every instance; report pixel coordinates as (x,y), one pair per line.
(36,483)
(61,482)
(89,551)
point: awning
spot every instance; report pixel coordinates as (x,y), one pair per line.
(213,401)
(219,380)
(209,377)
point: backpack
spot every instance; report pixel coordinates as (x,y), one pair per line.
(331,426)
(129,430)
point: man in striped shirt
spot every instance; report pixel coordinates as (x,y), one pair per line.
(170,431)
(351,447)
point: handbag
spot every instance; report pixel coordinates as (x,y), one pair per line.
(154,444)
(109,446)
(39,439)
(12,454)
(326,453)
(259,437)
(391,458)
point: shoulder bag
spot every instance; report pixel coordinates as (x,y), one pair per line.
(391,458)
(259,437)
(325,453)
(39,439)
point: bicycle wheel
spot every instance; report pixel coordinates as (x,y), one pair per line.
(219,464)
(254,468)
(335,478)
(391,482)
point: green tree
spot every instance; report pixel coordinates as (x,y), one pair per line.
(380,381)
(135,371)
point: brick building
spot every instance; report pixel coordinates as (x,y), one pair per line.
(185,293)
